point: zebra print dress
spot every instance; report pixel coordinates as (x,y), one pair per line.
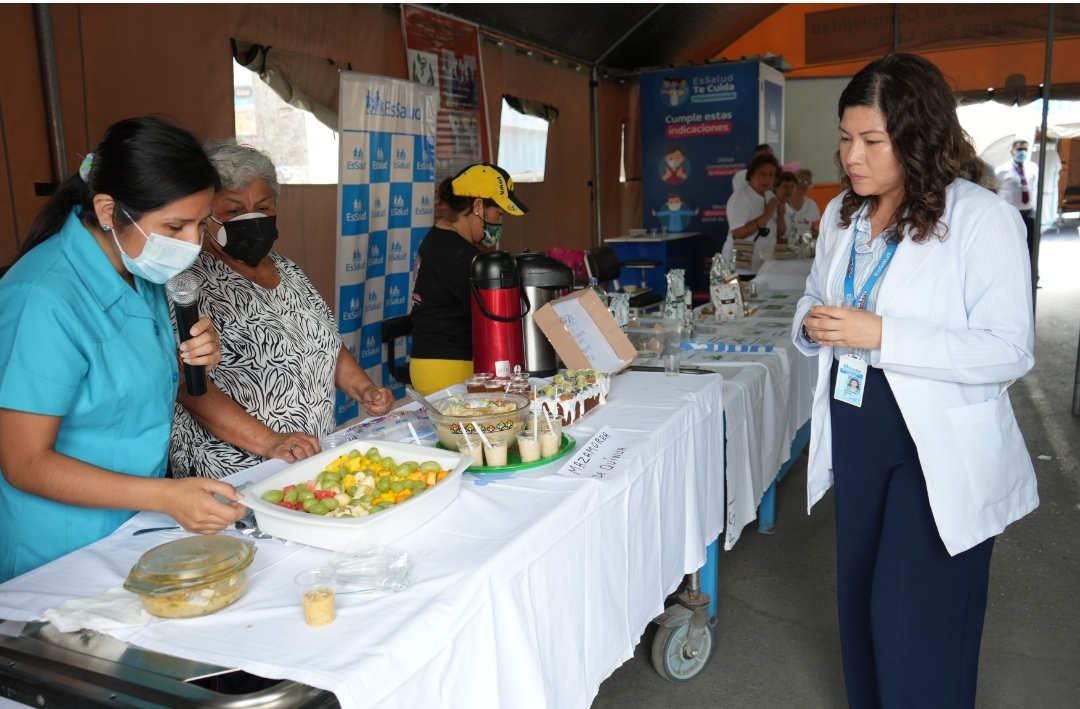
(279,350)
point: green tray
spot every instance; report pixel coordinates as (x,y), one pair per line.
(515,464)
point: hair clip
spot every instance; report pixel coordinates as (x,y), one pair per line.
(84,168)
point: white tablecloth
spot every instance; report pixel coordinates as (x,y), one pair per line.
(767,398)
(528,590)
(785,274)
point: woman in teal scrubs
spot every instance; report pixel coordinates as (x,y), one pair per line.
(89,366)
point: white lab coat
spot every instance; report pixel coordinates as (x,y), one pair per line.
(957,324)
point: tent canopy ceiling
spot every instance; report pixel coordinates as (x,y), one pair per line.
(675,33)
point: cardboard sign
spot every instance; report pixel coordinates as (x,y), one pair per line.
(604,457)
(584,334)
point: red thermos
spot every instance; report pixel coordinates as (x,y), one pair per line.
(497,311)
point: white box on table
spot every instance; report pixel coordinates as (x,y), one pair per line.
(584,334)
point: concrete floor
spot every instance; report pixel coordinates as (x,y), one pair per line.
(777,645)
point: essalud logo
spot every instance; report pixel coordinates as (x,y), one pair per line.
(373,302)
(425,205)
(376,105)
(353,311)
(397,252)
(357,214)
(395,297)
(357,162)
(357,263)
(371,347)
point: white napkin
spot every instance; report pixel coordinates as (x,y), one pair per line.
(116,608)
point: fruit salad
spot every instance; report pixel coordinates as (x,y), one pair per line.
(358,485)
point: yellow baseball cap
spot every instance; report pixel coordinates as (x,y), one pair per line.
(489,181)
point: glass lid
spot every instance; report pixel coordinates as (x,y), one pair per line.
(189,562)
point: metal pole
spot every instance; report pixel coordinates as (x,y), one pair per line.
(896,28)
(1076,384)
(47,59)
(594,89)
(1042,152)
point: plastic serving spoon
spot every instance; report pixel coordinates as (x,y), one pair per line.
(423,402)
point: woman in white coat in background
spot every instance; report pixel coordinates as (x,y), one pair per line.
(930,271)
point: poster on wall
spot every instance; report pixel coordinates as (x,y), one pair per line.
(444,53)
(386,195)
(699,126)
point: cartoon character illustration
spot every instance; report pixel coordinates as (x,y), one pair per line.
(674,168)
(675,213)
(675,90)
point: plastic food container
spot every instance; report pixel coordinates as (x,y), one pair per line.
(345,533)
(503,426)
(194,576)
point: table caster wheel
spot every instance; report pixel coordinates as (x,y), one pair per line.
(669,655)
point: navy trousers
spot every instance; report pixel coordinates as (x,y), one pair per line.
(911,616)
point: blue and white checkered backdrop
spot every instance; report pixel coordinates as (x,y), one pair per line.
(386,197)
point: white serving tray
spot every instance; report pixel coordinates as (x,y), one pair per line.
(349,533)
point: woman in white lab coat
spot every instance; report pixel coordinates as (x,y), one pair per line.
(929,270)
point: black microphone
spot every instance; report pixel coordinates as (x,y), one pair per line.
(183,290)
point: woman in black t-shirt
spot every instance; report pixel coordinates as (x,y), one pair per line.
(476,199)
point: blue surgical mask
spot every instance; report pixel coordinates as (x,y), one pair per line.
(1020,156)
(161,257)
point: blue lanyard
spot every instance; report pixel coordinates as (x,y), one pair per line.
(849,279)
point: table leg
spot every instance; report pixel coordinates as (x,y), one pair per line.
(767,506)
(710,579)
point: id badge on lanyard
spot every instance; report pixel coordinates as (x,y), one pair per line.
(850,380)
(851,372)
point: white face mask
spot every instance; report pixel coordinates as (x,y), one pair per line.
(161,257)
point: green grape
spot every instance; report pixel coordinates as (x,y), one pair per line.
(309,503)
(383,485)
(273,496)
(331,503)
(373,455)
(430,466)
(351,490)
(354,453)
(397,486)
(320,508)
(303,494)
(290,496)
(402,470)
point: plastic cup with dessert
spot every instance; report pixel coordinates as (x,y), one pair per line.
(474,449)
(475,385)
(484,376)
(316,588)
(495,453)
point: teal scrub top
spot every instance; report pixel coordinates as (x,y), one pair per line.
(79,343)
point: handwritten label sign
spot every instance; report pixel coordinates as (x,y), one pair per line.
(604,457)
(587,335)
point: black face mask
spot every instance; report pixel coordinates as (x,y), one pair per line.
(248,240)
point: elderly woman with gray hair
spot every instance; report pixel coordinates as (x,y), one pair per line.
(272,395)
